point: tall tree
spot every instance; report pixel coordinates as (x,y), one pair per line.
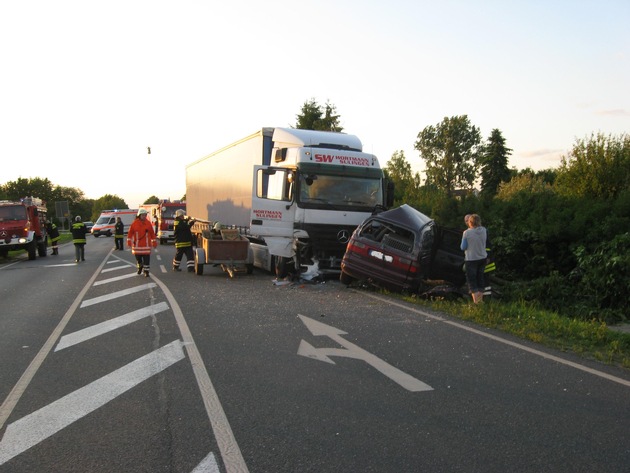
(399,171)
(451,151)
(313,116)
(494,163)
(152,200)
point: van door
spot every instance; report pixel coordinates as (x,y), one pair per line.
(273,209)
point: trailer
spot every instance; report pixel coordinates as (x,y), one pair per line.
(227,248)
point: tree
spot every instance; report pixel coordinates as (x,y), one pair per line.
(398,170)
(597,168)
(108,202)
(152,200)
(494,163)
(315,117)
(49,193)
(451,151)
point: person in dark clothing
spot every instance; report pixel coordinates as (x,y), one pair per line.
(183,241)
(53,234)
(119,234)
(79,230)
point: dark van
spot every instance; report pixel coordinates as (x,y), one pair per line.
(399,249)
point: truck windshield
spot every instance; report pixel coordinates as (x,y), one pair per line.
(12,212)
(324,191)
(169,212)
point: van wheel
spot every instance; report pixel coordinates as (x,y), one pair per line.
(346,279)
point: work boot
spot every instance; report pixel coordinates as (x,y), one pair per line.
(146,274)
(139,269)
(176,268)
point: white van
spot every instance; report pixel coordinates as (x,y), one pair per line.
(107,220)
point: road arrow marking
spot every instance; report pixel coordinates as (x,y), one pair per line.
(41,424)
(207,465)
(351,350)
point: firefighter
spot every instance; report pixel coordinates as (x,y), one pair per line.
(119,234)
(79,230)
(183,241)
(141,238)
(53,234)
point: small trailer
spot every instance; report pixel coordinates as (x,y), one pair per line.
(228,249)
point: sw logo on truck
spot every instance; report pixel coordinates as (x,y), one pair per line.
(347,160)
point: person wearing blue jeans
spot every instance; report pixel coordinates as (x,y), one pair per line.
(474,247)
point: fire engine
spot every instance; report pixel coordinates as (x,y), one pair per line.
(163,217)
(23,227)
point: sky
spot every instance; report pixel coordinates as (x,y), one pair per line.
(86,86)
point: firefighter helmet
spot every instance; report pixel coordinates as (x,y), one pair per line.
(142,212)
(179,213)
(77,218)
(217,227)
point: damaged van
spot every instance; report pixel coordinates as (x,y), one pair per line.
(403,250)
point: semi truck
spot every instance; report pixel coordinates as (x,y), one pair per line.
(297,195)
(23,227)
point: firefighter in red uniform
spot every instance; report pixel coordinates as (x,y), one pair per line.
(141,238)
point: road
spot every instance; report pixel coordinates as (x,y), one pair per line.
(107,371)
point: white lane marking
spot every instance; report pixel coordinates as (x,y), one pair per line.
(117,278)
(557,359)
(117,294)
(230,451)
(116,268)
(162,268)
(109,325)
(207,465)
(16,393)
(59,265)
(351,350)
(41,424)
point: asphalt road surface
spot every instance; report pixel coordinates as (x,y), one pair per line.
(106,371)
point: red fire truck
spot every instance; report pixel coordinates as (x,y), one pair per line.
(163,217)
(23,227)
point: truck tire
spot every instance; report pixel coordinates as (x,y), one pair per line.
(250,268)
(280,264)
(200,259)
(31,249)
(42,248)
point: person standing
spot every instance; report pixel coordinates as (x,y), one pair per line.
(474,246)
(53,234)
(119,234)
(183,241)
(141,238)
(79,230)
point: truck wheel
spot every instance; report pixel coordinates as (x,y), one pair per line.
(41,248)
(200,259)
(4,253)
(280,264)
(31,249)
(344,278)
(250,268)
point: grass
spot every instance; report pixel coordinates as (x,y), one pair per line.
(590,339)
